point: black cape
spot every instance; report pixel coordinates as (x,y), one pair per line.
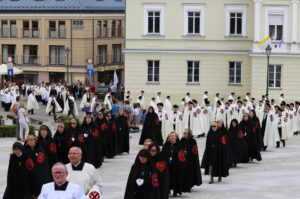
(94,141)
(63,143)
(151,130)
(109,129)
(49,147)
(17,178)
(38,167)
(175,157)
(193,171)
(78,140)
(122,134)
(258,132)
(249,131)
(150,188)
(215,154)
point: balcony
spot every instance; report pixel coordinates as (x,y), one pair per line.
(30,59)
(3,58)
(117,59)
(30,33)
(56,60)
(102,60)
(110,32)
(110,60)
(55,33)
(6,32)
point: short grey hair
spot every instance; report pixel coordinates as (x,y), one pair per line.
(59,164)
(78,148)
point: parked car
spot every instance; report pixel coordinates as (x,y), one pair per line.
(102,90)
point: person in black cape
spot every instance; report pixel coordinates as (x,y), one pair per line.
(37,165)
(162,170)
(173,152)
(224,132)
(151,128)
(193,171)
(17,175)
(94,141)
(249,131)
(215,160)
(122,134)
(47,142)
(143,180)
(239,149)
(60,99)
(255,121)
(63,143)
(78,138)
(109,128)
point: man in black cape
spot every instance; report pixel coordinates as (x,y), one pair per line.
(122,134)
(109,129)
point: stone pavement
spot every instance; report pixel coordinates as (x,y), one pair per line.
(275,177)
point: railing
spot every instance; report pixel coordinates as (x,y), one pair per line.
(110,32)
(8,32)
(57,33)
(110,59)
(56,60)
(3,58)
(117,58)
(102,60)
(30,59)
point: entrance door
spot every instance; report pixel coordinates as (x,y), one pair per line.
(57,77)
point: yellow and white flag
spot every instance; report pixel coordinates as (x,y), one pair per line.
(267,40)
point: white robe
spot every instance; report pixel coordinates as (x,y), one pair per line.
(206,117)
(142,102)
(50,107)
(73,191)
(32,103)
(259,110)
(107,102)
(168,106)
(177,120)
(187,99)
(67,108)
(271,132)
(83,101)
(157,100)
(165,126)
(88,178)
(153,104)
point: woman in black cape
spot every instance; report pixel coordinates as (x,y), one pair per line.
(17,175)
(77,136)
(193,170)
(215,160)
(122,134)
(224,132)
(109,129)
(151,128)
(93,141)
(162,170)
(37,165)
(255,121)
(143,180)
(250,135)
(63,143)
(239,149)
(173,152)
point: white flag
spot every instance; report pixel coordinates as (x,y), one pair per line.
(116,80)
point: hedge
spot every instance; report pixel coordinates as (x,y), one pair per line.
(10,130)
(11,116)
(1,117)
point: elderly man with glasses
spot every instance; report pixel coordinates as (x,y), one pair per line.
(61,188)
(84,174)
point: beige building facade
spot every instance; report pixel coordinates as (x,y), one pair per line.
(53,46)
(212,45)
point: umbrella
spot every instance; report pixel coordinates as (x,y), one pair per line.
(3,70)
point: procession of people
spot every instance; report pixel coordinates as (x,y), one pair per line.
(236,130)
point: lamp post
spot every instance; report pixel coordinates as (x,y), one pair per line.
(268,52)
(68,51)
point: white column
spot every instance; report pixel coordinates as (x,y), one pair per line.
(256,24)
(294,46)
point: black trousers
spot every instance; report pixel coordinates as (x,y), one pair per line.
(7,106)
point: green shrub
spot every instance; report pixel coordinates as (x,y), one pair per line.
(10,131)
(11,116)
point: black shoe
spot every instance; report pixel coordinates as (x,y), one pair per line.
(283,143)
(211,181)
(220,179)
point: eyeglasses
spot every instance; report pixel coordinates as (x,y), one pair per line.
(153,151)
(185,133)
(73,123)
(213,126)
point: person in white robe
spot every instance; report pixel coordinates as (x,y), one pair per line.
(52,106)
(84,174)
(293,118)
(216,99)
(163,119)
(198,130)
(259,110)
(61,188)
(281,99)
(7,100)
(153,104)
(231,96)
(239,111)
(283,127)
(107,102)
(183,105)
(271,135)
(176,121)
(188,116)
(157,99)
(168,105)
(45,96)
(204,98)
(70,107)
(297,107)
(15,94)
(187,97)
(141,97)
(218,112)
(206,117)
(32,103)
(86,98)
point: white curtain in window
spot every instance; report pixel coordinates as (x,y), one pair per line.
(5,53)
(26,54)
(62,55)
(52,55)
(275,19)
(61,30)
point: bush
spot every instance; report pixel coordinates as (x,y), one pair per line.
(1,117)
(11,116)
(10,131)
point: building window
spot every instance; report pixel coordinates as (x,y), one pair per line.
(102,54)
(116,54)
(52,29)
(193,71)
(4,28)
(236,20)
(119,28)
(57,55)
(62,29)
(30,55)
(153,71)
(113,28)
(13,29)
(194,19)
(35,29)
(9,51)
(235,72)
(274,76)
(276,27)
(154,19)
(26,31)
(102,29)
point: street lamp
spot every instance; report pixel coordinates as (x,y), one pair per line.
(68,51)
(268,52)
